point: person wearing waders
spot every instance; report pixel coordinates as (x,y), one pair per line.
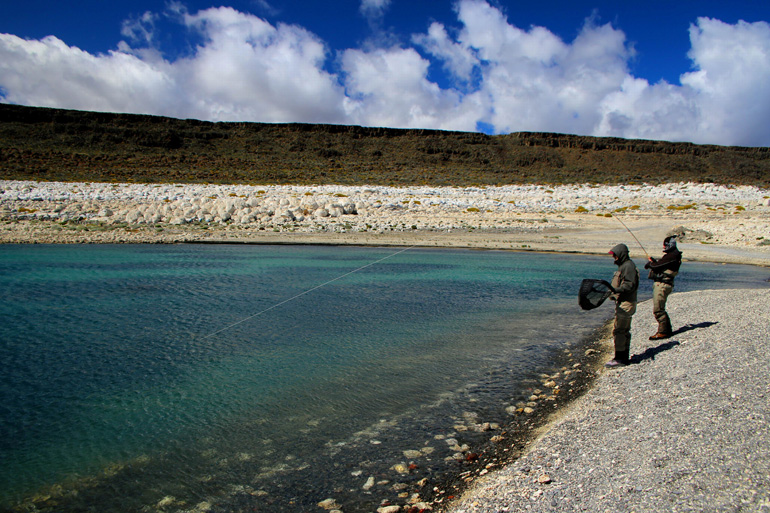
(625,283)
(662,273)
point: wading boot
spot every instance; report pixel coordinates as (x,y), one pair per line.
(664,326)
(621,359)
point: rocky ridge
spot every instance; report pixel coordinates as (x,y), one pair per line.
(66,145)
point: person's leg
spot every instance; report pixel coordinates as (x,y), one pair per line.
(622,334)
(660,293)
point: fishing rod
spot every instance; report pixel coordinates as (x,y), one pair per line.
(632,235)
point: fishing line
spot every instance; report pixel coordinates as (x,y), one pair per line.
(306,292)
(632,235)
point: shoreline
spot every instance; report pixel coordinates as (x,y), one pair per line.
(683,428)
(575,374)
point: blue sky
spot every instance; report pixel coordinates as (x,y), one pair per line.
(674,70)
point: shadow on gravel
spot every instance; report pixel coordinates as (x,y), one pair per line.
(652,352)
(691,327)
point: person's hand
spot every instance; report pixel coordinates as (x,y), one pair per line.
(614,297)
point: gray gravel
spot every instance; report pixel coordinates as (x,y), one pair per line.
(684,428)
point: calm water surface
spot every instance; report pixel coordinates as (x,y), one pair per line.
(143,378)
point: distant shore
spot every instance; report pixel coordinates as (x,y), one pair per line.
(716,223)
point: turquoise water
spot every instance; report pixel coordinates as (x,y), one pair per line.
(143,377)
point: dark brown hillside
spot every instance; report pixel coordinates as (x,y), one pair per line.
(52,144)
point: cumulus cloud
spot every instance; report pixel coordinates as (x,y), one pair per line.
(390,88)
(498,75)
(249,69)
(723,101)
(458,59)
(245,69)
(50,73)
(533,80)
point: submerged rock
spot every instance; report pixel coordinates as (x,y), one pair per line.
(329,504)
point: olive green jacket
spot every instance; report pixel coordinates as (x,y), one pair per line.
(625,281)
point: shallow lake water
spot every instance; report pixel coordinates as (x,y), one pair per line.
(270,378)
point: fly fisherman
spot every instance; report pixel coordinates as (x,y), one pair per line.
(663,272)
(625,283)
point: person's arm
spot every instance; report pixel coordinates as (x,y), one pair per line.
(660,265)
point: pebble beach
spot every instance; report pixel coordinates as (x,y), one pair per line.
(683,428)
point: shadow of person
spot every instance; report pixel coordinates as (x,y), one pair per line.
(690,327)
(652,352)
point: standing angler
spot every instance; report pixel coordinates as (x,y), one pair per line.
(662,273)
(625,282)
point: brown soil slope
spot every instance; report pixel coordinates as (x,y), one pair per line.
(66,145)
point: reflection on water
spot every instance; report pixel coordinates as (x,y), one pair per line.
(141,378)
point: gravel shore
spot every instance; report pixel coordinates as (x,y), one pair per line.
(683,428)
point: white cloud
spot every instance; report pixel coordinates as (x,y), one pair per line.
(140,30)
(390,88)
(534,80)
(724,101)
(50,73)
(247,69)
(459,60)
(510,78)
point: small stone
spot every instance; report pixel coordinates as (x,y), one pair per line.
(400,468)
(166,501)
(328,504)
(544,479)
(369,483)
(528,410)
(411,454)
(389,509)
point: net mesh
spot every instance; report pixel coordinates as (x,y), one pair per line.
(593,293)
